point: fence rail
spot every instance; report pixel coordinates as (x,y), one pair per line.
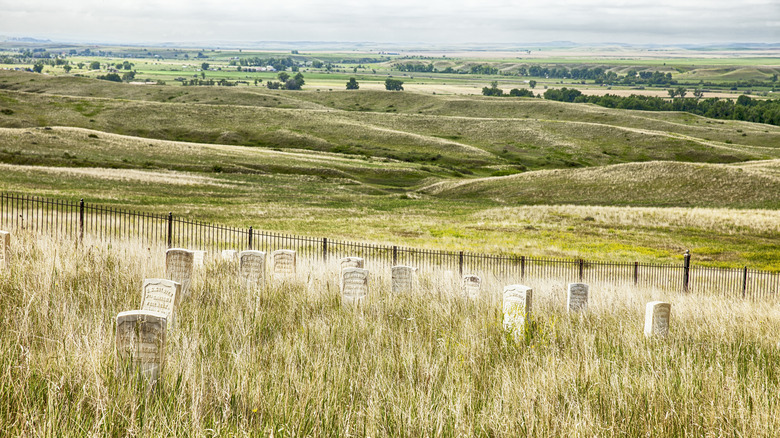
(79,219)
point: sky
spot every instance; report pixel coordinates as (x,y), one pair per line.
(395,21)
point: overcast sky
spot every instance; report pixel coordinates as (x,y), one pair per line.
(426,21)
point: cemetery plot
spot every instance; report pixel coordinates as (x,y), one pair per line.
(178,267)
(140,343)
(354,285)
(251,270)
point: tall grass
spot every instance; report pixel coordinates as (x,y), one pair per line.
(289,359)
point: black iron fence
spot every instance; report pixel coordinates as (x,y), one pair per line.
(79,219)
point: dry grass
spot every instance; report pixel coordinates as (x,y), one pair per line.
(289,360)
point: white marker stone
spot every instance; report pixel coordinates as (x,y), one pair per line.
(471,286)
(404,279)
(161,296)
(140,343)
(354,285)
(251,268)
(178,267)
(657,318)
(517,307)
(5,249)
(284,262)
(229,255)
(349,262)
(199,258)
(577,298)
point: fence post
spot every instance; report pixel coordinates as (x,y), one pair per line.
(744,283)
(395,255)
(686,269)
(251,233)
(81,220)
(170,229)
(460,263)
(522,267)
(582,268)
(324,249)
(636,273)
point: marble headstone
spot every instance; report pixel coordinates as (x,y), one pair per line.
(284,262)
(161,296)
(577,297)
(140,343)
(517,307)
(354,285)
(229,255)
(179,266)
(404,279)
(471,286)
(199,258)
(251,268)
(657,318)
(5,249)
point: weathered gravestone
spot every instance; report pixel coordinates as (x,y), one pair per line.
(657,318)
(251,268)
(517,308)
(284,261)
(178,267)
(471,286)
(229,255)
(198,258)
(5,249)
(349,262)
(140,343)
(161,296)
(404,279)
(577,297)
(354,285)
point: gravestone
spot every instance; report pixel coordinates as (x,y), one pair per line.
(517,307)
(404,279)
(251,268)
(199,258)
(577,298)
(140,343)
(349,262)
(229,255)
(471,286)
(354,285)
(284,261)
(161,296)
(657,318)
(178,267)
(5,249)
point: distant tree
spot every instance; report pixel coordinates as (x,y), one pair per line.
(493,90)
(352,84)
(111,77)
(127,65)
(37,68)
(283,76)
(394,84)
(298,78)
(672,92)
(272,85)
(681,91)
(205,66)
(129,76)
(532,84)
(94,65)
(80,65)
(294,52)
(316,64)
(203,74)
(698,93)
(514,92)
(292,84)
(67,68)
(774,77)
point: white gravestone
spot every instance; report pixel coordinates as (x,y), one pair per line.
(284,261)
(404,279)
(657,318)
(354,285)
(161,296)
(229,255)
(349,262)
(517,307)
(178,267)
(140,343)
(5,249)
(577,297)
(199,258)
(471,286)
(251,268)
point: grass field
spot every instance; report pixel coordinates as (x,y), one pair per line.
(289,360)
